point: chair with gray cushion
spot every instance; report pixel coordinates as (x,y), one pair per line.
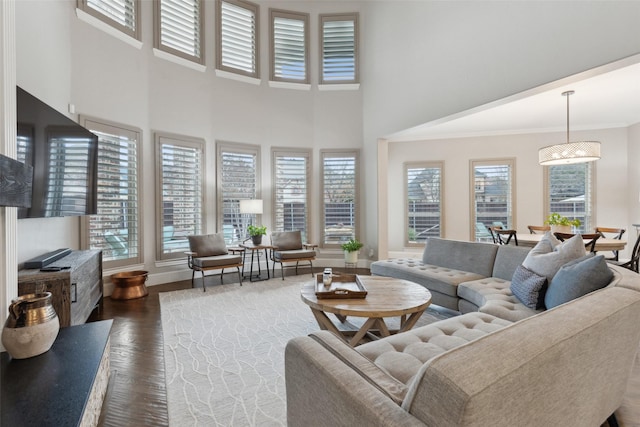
(288,248)
(210,252)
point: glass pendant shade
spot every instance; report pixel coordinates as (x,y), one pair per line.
(569,152)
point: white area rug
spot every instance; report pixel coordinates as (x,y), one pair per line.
(224,351)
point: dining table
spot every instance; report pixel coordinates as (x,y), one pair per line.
(602,244)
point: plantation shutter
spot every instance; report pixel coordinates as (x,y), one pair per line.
(238,180)
(121,14)
(493,194)
(339,197)
(116,227)
(181,196)
(339,49)
(424,204)
(291,207)
(289,47)
(67,192)
(180,28)
(570,192)
(238,37)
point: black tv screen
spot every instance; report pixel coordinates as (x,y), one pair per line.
(64,157)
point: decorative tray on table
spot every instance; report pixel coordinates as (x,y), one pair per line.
(342,286)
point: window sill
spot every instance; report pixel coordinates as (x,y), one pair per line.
(289,85)
(238,77)
(177,60)
(346,86)
(85,17)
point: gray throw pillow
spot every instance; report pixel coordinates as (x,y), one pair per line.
(529,287)
(545,263)
(577,279)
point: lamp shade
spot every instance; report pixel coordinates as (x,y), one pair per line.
(570,152)
(251,206)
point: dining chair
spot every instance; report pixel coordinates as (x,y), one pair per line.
(494,236)
(631,264)
(538,229)
(588,238)
(506,236)
(617,234)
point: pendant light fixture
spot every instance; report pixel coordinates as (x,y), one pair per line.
(569,152)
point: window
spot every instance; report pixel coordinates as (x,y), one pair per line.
(493,198)
(424,202)
(179,28)
(238,37)
(116,227)
(238,179)
(289,46)
(569,192)
(180,194)
(340,196)
(339,44)
(124,15)
(291,175)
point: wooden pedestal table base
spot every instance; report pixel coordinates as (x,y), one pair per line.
(386,297)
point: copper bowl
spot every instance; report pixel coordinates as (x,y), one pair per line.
(129,285)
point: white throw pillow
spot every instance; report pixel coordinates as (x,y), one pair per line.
(546,258)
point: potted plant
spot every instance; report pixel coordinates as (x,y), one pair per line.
(560,223)
(256,232)
(351,249)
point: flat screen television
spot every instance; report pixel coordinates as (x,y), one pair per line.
(64,157)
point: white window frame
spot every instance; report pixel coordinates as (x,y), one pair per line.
(588,219)
(132,204)
(224,187)
(326,18)
(132,30)
(341,233)
(277,43)
(253,9)
(476,188)
(438,231)
(278,207)
(179,28)
(184,186)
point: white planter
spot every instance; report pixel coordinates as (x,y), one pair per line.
(351,257)
(561,229)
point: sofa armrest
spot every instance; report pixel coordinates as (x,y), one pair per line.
(324,388)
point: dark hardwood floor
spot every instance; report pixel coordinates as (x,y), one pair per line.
(136,395)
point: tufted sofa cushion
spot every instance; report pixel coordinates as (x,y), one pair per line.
(493,296)
(402,355)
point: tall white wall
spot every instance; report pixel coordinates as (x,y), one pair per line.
(64,60)
(424,60)
(611,179)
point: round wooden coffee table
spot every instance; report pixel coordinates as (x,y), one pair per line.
(386,297)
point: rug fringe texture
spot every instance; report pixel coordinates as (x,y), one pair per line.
(224,351)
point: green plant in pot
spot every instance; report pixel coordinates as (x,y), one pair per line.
(561,223)
(256,232)
(351,249)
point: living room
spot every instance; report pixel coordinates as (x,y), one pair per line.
(420,62)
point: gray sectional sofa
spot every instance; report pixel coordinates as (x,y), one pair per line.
(499,363)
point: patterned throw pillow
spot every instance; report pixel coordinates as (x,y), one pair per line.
(578,278)
(529,287)
(547,263)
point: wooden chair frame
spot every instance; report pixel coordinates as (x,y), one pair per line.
(618,235)
(505,236)
(538,229)
(272,255)
(589,239)
(192,255)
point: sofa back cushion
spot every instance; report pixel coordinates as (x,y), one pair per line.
(541,359)
(208,244)
(466,256)
(508,258)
